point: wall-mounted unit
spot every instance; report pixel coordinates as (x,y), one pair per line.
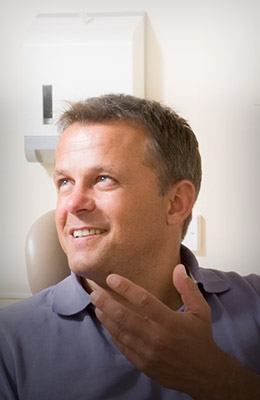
(68,57)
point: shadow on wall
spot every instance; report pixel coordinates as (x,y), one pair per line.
(153,67)
(49,168)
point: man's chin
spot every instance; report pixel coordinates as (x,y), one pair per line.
(87,270)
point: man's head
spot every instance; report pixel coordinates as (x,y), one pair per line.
(122,205)
(173,149)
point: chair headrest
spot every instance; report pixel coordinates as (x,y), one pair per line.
(46,262)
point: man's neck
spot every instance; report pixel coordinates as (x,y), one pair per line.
(158,281)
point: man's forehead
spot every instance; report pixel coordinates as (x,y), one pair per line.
(115,140)
(81,135)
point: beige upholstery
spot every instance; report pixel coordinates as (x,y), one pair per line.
(46,262)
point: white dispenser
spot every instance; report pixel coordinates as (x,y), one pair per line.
(70,57)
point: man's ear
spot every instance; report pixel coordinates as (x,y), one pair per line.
(181,196)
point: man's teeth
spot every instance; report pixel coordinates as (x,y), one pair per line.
(86,232)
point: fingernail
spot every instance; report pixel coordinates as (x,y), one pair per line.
(182,268)
(113,281)
(94,296)
(98,313)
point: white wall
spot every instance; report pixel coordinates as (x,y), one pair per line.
(202,59)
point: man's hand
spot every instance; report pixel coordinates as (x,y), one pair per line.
(174,348)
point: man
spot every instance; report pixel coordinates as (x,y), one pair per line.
(137,318)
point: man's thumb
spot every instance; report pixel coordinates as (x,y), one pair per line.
(191,296)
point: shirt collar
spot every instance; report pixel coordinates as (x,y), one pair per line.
(69,297)
(209,279)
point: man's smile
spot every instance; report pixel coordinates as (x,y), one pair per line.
(78,233)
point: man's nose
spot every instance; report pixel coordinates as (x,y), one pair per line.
(80,199)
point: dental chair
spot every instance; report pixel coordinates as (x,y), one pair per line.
(45,260)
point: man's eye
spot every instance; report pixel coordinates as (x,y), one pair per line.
(62,182)
(104,178)
(105,181)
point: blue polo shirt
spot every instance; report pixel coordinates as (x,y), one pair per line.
(52,347)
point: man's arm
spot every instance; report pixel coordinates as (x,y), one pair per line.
(176,349)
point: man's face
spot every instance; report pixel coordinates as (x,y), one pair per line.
(110,216)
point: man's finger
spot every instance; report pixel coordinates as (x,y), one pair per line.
(115,313)
(144,302)
(191,296)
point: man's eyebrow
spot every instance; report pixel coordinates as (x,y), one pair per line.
(97,169)
(58,172)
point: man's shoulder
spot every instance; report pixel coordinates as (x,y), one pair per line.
(26,311)
(248,283)
(233,292)
(216,281)
(66,298)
